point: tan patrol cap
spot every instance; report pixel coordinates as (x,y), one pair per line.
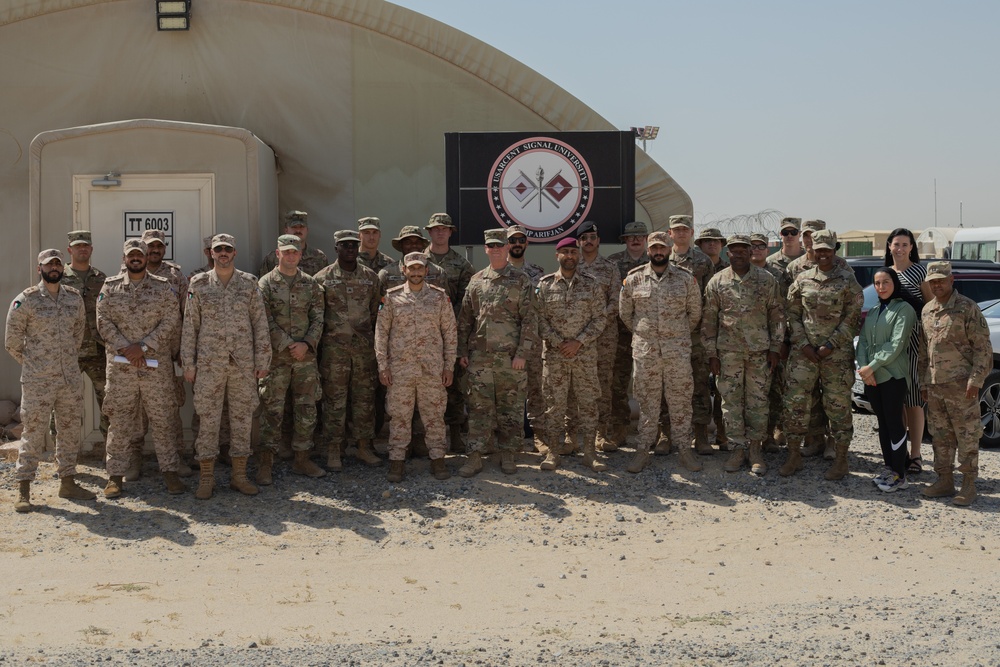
(759,238)
(824,239)
(293,218)
(46,256)
(738,239)
(151,235)
(415,258)
(134,244)
(347,235)
(79,237)
(495,237)
(810,226)
(514,230)
(935,270)
(791,223)
(223,239)
(659,238)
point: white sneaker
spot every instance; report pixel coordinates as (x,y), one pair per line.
(884,474)
(893,483)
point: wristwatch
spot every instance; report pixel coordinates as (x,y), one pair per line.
(145,348)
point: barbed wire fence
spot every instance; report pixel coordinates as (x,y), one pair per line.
(767,222)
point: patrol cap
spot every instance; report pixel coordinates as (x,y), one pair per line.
(514,230)
(634,229)
(659,238)
(824,239)
(566,243)
(135,244)
(151,235)
(495,237)
(293,218)
(79,237)
(586,228)
(207,242)
(810,226)
(710,234)
(935,270)
(223,240)
(289,242)
(370,222)
(415,258)
(348,234)
(791,223)
(407,232)
(738,239)
(46,256)
(757,237)
(681,221)
(439,220)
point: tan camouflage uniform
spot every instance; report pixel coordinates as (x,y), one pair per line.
(392,276)
(607,275)
(44,336)
(700,266)
(621,412)
(535,402)
(92,359)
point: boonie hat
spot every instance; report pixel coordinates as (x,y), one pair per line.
(79,237)
(46,256)
(347,235)
(406,232)
(495,237)
(370,222)
(293,218)
(659,238)
(681,221)
(634,229)
(135,244)
(935,270)
(223,239)
(289,242)
(824,239)
(710,234)
(439,220)
(415,258)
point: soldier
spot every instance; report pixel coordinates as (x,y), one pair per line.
(206,243)
(497,332)
(572,313)
(517,240)
(88,281)
(711,242)
(743,326)
(347,355)
(415,343)
(634,254)
(370,233)
(458,271)
(293,301)
(661,305)
(954,360)
(824,309)
(226,348)
(776,392)
(791,244)
(808,258)
(686,256)
(607,275)
(45,326)
(138,317)
(313,259)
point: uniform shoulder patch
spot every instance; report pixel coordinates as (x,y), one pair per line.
(117,278)
(16,304)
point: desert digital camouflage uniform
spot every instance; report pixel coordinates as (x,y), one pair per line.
(294,307)
(313,259)
(458,272)
(956,353)
(92,359)
(225,341)
(622,373)
(743,320)
(415,340)
(700,266)
(347,352)
(376,263)
(822,308)
(567,310)
(392,276)
(195,419)
(144,313)
(497,323)
(44,336)
(661,311)
(607,275)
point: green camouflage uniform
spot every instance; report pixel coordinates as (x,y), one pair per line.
(92,360)
(313,259)
(376,263)
(535,403)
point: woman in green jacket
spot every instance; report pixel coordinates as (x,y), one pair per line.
(884,368)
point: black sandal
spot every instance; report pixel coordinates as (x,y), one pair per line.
(915,466)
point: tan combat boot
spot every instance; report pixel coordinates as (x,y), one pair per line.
(134,470)
(507,464)
(366,454)
(265,467)
(303,465)
(569,446)
(967,494)
(770,446)
(68,488)
(701,440)
(397,469)
(473,465)
(540,445)
(829,449)
(457,445)
(333,462)
(639,461)
(943,487)
(813,446)
(183,469)
(551,461)
(611,439)
(23,502)
(113,489)
(757,465)
(686,457)
(793,463)
(736,459)
(663,443)
(174,484)
(439,469)
(590,459)
(227,460)
(238,477)
(839,469)
(206,479)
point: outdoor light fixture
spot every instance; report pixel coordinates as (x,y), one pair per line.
(645,134)
(112,179)
(173,14)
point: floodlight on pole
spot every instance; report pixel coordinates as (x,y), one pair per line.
(173,14)
(644,134)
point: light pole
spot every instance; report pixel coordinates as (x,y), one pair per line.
(645,134)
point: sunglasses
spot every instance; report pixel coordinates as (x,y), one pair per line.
(758,246)
(789,232)
(517,241)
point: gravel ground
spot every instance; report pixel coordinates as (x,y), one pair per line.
(665,567)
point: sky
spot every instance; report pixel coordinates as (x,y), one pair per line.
(843,111)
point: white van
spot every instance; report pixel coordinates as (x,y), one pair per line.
(976,243)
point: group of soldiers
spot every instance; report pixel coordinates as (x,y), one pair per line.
(319,350)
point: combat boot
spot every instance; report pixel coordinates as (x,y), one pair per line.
(701,440)
(721,439)
(757,465)
(265,467)
(770,446)
(113,489)
(686,458)
(473,465)
(206,479)
(134,470)
(439,469)
(540,445)
(942,488)
(967,494)
(397,470)
(303,465)
(238,477)
(457,445)
(333,462)
(551,461)
(829,449)
(68,488)
(507,465)
(366,454)
(839,469)
(813,446)
(23,502)
(793,463)
(663,443)
(285,452)
(590,459)
(174,484)
(736,459)
(569,446)
(183,469)
(609,439)
(639,461)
